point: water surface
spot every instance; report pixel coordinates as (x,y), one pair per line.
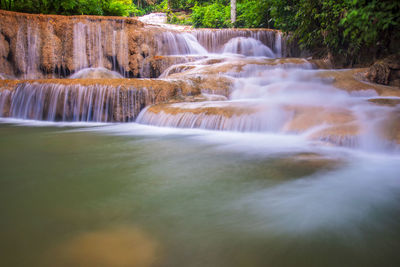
(132,195)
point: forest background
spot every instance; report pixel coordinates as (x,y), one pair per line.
(340,28)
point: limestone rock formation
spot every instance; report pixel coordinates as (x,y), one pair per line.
(51,46)
(386,71)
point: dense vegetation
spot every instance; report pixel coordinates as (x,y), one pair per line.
(341,28)
(338,27)
(74,7)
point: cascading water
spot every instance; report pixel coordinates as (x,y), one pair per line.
(55,47)
(57,102)
(171,43)
(28,44)
(80,58)
(92,43)
(215,40)
(276,96)
(284,91)
(278,45)
(248,47)
(283,100)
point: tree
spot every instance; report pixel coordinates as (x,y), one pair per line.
(233,12)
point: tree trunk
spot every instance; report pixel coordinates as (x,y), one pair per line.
(169,5)
(233,12)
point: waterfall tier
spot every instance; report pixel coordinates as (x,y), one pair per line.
(248,47)
(288,98)
(99,100)
(50,46)
(215,40)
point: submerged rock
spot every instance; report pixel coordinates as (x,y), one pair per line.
(118,247)
(96,73)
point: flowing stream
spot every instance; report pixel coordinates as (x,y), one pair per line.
(267,161)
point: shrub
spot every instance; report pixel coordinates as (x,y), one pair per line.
(178,18)
(252,14)
(119,8)
(215,15)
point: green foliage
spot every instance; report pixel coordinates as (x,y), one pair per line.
(74,7)
(197,16)
(163,6)
(370,22)
(283,13)
(215,15)
(179,18)
(341,27)
(252,14)
(89,7)
(119,8)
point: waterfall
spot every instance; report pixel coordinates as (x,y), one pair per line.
(100,100)
(263,91)
(278,44)
(248,47)
(28,43)
(32,56)
(101,46)
(214,40)
(283,96)
(79,52)
(59,102)
(55,47)
(91,47)
(122,55)
(203,116)
(172,43)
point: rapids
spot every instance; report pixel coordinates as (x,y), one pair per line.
(226,148)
